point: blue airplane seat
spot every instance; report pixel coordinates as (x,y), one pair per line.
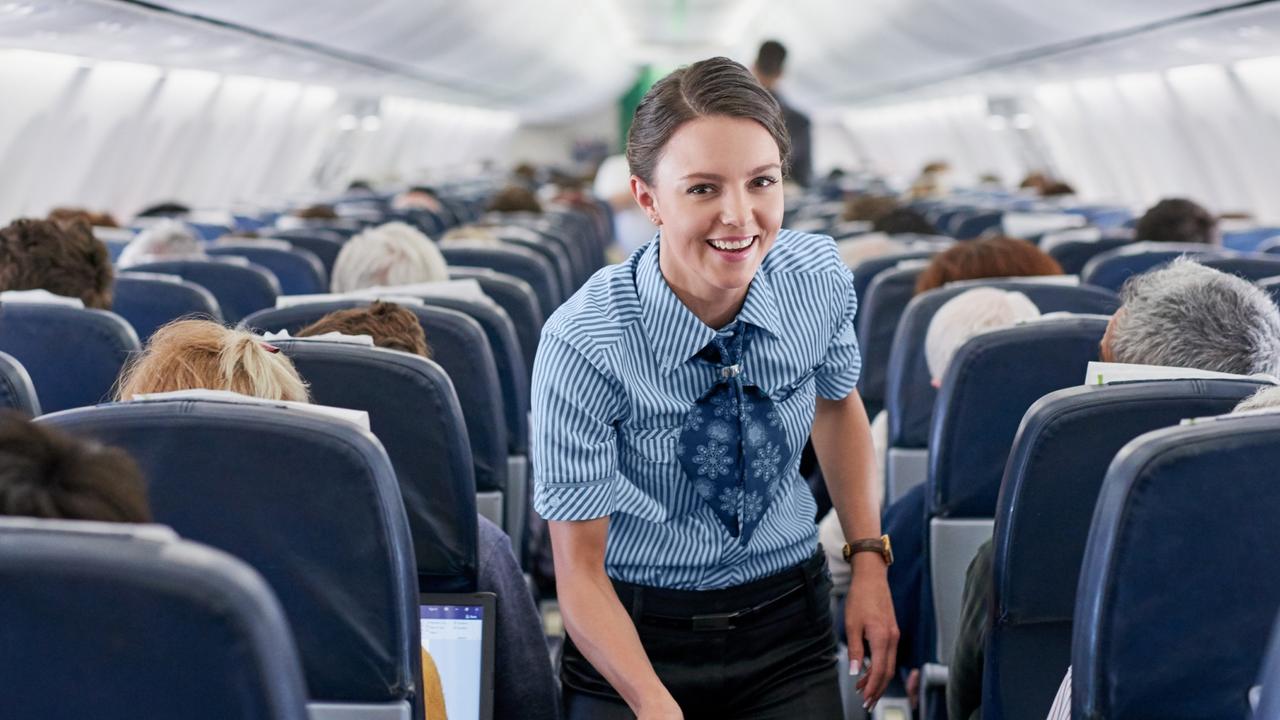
(1250,266)
(1050,486)
(149,300)
(1249,240)
(517,298)
(909,394)
(428,445)
(552,252)
(73,355)
(1073,255)
(16,389)
(880,311)
(312,504)
(514,260)
(299,271)
(116,622)
(241,289)
(1178,588)
(1272,286)
(1269,681)
(324,244)
(867,270)
(1103,216)
(978,222)
(1110,269)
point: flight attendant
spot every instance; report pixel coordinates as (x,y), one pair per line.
(673,394)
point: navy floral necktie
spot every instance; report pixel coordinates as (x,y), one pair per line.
(732,445)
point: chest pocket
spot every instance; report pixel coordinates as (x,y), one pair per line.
(651,445)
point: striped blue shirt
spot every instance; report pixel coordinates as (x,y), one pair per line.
(615,374)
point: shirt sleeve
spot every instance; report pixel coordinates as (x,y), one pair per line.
(574,435)
(843,363)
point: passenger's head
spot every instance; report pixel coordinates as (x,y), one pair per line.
(1267,398)
(992,257)
(390,326)
(1056,188)
(868,208)
(316,212)
(62,258)
(418,197)
(200,354)
(165,239)
(165,209)
(903,220)
(1177,220)
(769,61)
(390,254)
(359,185)
(708,150)
(971,313)
(96,219)
(1188,315)
(470,233)
(47,474)
(514,198)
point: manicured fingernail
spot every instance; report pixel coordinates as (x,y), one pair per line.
(853,667)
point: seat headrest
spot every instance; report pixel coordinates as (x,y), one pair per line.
(889,292)
(1178,583)
(16,390)
(1111,268)
(241,289)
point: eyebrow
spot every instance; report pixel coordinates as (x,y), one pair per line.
(713,176)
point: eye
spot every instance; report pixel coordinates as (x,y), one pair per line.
(764,181)
(702,189)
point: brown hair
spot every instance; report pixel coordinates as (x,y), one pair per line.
(718,86)
(97,219)
(316,212)
(390,326)
(514,198)
(986,258)
(63,258)
(45,473)
(1177,220)
(770,57)
(869,208)
(195,354)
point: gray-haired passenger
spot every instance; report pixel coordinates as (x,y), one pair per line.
(1188,315)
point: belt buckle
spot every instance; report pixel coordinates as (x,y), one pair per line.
(716,621)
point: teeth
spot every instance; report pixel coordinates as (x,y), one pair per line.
(732,245)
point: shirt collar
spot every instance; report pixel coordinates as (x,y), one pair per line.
(674,332)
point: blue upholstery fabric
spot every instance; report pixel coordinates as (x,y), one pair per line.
(989,385)
(887,297)
(1269,680)
(240,290)
(148,301)
(1178,589)
(311,503)
(552,252)
(324,244)
(459,345)
(976,223)
(518,300)
(101,623)
(1073,255)
(1110,269)
(16,390)
(72,355)
(1050,487)
(909,396)
(521,262)
(1248,240)
(299,271)
(867,270)
(415,414)
(1250,266)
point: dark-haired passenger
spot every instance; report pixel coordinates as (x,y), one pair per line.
(768,70)
(1177,220)
(391,326)
(902,221)
(60,258)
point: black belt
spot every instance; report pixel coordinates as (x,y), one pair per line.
(725,620)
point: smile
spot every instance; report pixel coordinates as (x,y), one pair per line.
(734,244)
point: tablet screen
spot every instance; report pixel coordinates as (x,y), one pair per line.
(453,637)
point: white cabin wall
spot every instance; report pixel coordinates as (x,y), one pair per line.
(552,144)
(119,136)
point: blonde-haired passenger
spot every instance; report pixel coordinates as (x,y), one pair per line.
(966,315)
(200,354)
(390,254)
(166,239)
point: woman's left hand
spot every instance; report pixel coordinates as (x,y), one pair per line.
(868,615)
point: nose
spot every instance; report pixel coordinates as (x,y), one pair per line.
(735,208)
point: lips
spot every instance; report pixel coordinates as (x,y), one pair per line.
(733,244)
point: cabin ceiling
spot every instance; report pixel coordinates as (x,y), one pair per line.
(556,59)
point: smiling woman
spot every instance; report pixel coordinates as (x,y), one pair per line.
(671,397)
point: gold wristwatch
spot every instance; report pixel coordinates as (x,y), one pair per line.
(878,545)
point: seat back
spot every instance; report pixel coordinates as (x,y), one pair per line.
(299,271)
(324,244)
(1269,681)
(867,270)
(552,252)
(909,393)
(117,622)
(1249,240)
(977,223)
(1178,588)
(73,355)
(1045,505)
(16,390)
(311,503)
(460,346)
(241,289)
(415,414)
(1250,266)
(1110,269)
(148,300)
(887,296)
(515,297)
(521,262)
(1073,255)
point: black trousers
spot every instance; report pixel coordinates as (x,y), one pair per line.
(778,662)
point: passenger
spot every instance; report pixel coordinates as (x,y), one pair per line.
(768,70)
(201,354)
(652,535)
(472,234)
(868,246)
(391,326)
(993,257)
(1177,220)
(868,208)
(904,221)
(1057,188)
(45,473)
(166,240)
(514,198)
(418,197)
(1264,399)
(1183,315)
(391,254)
(319,213)
(165,209)
(64,259)
(95,219)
